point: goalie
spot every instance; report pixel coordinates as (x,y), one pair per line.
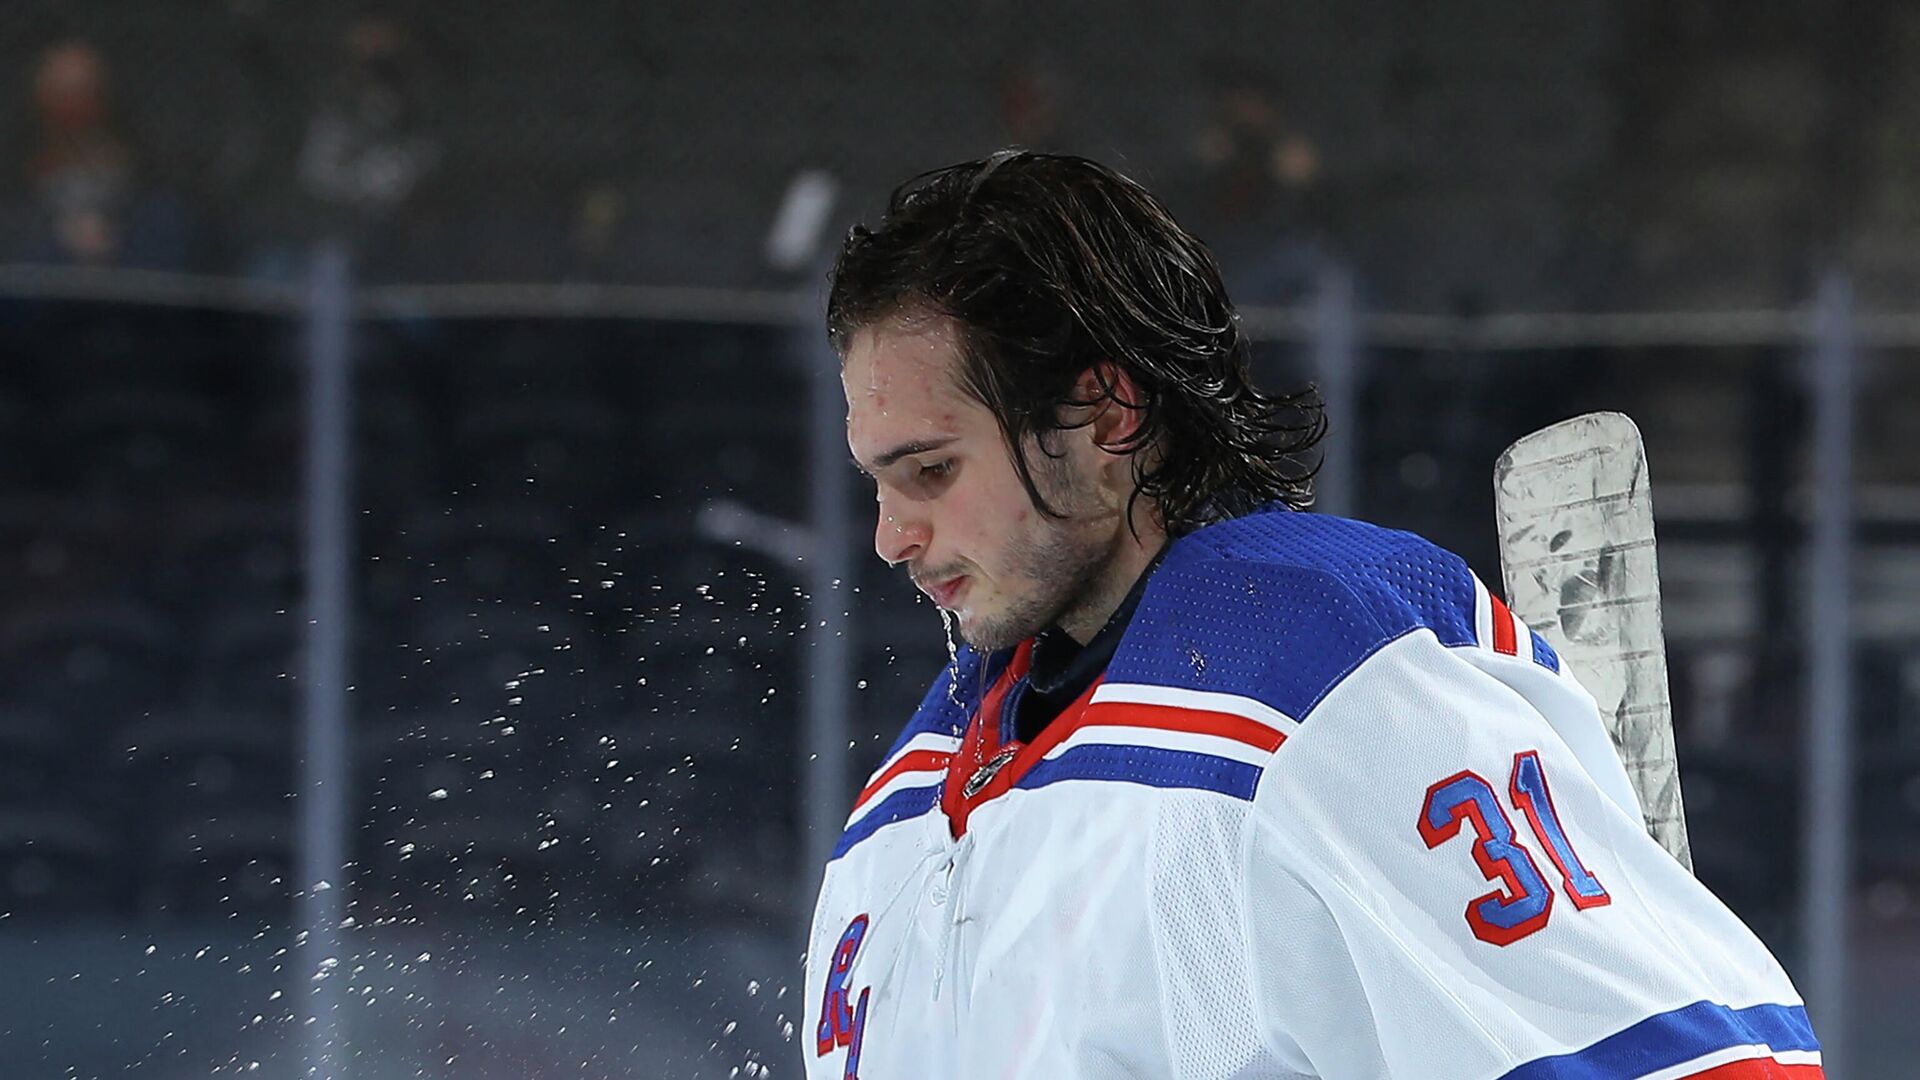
(1215,788)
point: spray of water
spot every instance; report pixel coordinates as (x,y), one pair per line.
(953,658)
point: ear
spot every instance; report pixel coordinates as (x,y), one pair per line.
(1118,403)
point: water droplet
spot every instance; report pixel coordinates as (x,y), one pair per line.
(953,659)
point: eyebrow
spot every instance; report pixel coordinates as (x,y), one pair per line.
(905,449)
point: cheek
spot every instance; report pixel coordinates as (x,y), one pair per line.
(975,523)
(1006,511)
(1005,525)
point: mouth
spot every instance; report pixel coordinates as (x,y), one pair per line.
(946,593)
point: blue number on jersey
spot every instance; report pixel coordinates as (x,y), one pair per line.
(1506,915)
(1530,794)
(842,1025)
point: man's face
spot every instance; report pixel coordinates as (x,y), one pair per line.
(951,506)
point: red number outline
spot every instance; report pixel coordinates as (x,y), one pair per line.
(1495,868)
(1525,801)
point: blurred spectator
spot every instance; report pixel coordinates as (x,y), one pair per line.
(370,141)
(84,172)
(83,165)
(600,239)
(1033,100)
(1260,198)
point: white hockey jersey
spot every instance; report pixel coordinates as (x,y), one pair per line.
(1331,811)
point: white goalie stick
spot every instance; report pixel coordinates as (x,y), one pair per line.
(1577,552)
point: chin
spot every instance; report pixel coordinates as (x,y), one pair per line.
(991,632)
(979,633)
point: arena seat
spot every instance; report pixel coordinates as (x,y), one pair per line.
(141,443)
(1739,799)
(41,764)
(228,864)
(187,762)
(550,448)
(58,863)
(232,559)
(250,658)
(90,662)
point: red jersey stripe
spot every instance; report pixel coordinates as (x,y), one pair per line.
(1174,718)
(912,761)
(1503,639)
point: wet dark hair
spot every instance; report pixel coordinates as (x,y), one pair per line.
(1050,265)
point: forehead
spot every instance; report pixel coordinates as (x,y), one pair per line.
(899,378)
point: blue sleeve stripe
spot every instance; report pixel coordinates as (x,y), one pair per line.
(908,803)
(1675,1038)
(1543,653)
(1153,766)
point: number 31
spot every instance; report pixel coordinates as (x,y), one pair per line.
(1525,900)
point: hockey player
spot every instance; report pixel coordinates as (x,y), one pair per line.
(1216,788)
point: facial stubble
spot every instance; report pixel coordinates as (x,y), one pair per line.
(1060,563)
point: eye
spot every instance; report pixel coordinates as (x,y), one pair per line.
(939,470)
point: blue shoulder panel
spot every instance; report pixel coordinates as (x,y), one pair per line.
(1279,606)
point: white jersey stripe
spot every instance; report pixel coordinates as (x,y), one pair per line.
(1522,638)
(1482,615)
(1730,1055)
(926,740)
(917,778)
(1190,741)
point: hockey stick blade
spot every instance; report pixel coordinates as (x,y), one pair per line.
(1575,517)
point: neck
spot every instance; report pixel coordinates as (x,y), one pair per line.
(1129,559)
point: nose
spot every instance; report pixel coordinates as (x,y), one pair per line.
(898,538)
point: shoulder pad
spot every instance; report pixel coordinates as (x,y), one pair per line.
(1280,606)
